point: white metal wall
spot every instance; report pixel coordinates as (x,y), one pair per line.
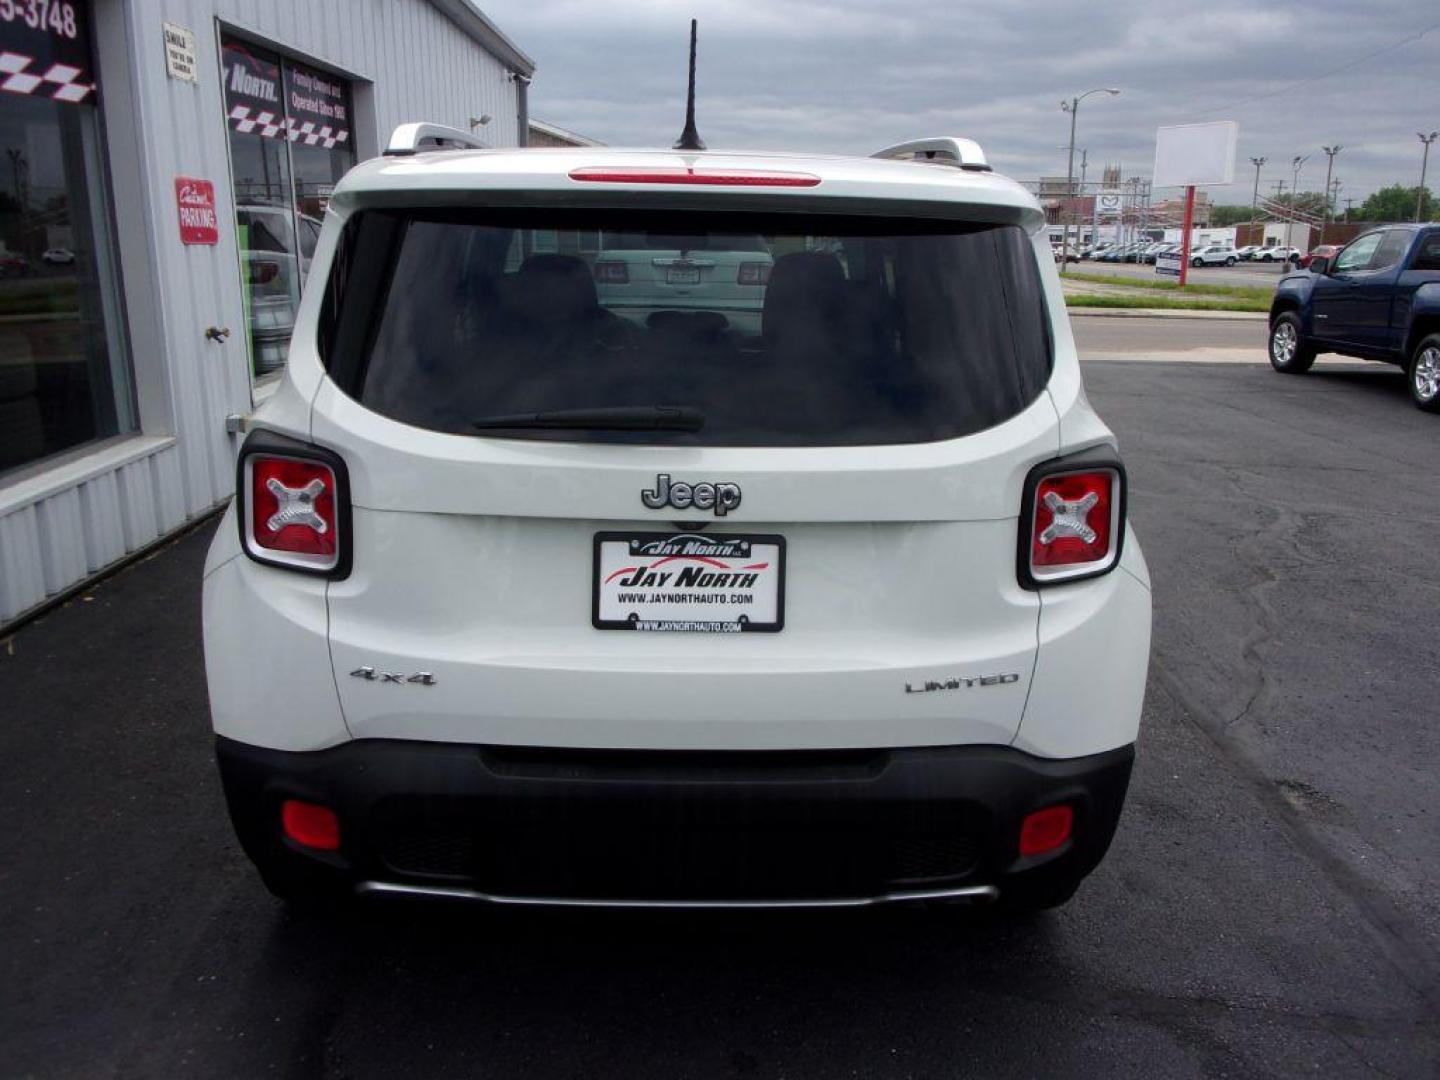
(410,62)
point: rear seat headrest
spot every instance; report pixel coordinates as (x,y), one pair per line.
(804,287)
(555,288)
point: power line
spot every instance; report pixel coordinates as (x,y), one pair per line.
(1327,73)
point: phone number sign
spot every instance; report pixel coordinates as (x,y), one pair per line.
(45,51)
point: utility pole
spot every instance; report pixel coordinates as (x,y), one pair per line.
(1258,162)
(1330,152)
(1424,161)
(1254,198)
(1073,108)
(1295,164)
(1348,204)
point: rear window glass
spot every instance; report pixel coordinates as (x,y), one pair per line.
(848,331)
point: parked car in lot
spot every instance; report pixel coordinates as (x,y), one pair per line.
(1378,299)
(276,253)
(638,274)
(1324,251)
(12,265)
(1246,253)
(1213,255)
(1277,254)
(523,599)
(58,256)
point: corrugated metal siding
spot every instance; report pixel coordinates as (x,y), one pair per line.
(422,67)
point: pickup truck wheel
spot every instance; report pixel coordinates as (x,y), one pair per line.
(1425,374)
(1290,354)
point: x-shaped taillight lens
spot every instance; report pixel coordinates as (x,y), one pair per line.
(291,512)
(1074,526)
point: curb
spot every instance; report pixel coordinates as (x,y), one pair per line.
(1165,313)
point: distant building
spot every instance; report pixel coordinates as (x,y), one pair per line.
(1174,209)
(543,134)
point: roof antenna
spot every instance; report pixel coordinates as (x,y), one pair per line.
(690,138)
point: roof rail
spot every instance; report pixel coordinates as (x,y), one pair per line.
(965,153)
(411,138)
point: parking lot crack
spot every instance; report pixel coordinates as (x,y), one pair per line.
(1403,945)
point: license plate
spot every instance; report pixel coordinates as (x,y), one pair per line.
(689,583)
(682,275)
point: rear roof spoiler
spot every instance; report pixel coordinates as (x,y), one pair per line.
(964,153)
(412,138)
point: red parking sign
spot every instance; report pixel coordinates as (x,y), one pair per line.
(195,200)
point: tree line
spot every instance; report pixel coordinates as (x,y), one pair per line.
(1393,203)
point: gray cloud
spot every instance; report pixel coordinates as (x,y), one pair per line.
(849,77)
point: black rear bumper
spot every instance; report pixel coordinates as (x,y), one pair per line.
(619,825)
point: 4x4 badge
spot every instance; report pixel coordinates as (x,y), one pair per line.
(722,498)
(421,678)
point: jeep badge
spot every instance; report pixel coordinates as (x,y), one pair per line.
(722,498)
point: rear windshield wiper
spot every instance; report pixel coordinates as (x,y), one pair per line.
(621,418)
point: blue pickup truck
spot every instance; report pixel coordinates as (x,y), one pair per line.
(1378,299)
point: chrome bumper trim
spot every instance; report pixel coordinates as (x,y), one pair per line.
(384,888)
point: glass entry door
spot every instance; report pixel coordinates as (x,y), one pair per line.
(289,144)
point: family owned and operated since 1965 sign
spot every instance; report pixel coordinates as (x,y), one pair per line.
(300,104)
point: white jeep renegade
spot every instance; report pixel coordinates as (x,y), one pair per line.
(528,598)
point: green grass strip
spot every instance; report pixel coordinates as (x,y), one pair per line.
(1200,303)
(1247,292)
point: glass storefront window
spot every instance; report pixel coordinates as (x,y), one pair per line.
(63,371)
(289,145)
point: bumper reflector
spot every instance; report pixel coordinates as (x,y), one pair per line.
(1045,830)
(310,825)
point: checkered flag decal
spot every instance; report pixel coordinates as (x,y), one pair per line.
(245,120)
(267,124)
(310,135)
(57,83)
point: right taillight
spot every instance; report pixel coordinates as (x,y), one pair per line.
(292,505)
(1073,521)
(753,273)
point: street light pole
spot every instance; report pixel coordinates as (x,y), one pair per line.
(1073,108)
(1424,161)
(1330,152)
(1255,195)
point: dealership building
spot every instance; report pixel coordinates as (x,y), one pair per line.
(164,170)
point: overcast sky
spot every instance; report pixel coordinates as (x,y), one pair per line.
(850,77)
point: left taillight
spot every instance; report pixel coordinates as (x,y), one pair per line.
(1072,521)
(293,505)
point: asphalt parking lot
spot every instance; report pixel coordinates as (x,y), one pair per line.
(1269,908)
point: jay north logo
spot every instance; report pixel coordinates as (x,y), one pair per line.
(722,498)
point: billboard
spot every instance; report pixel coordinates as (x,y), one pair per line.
(1196,154)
